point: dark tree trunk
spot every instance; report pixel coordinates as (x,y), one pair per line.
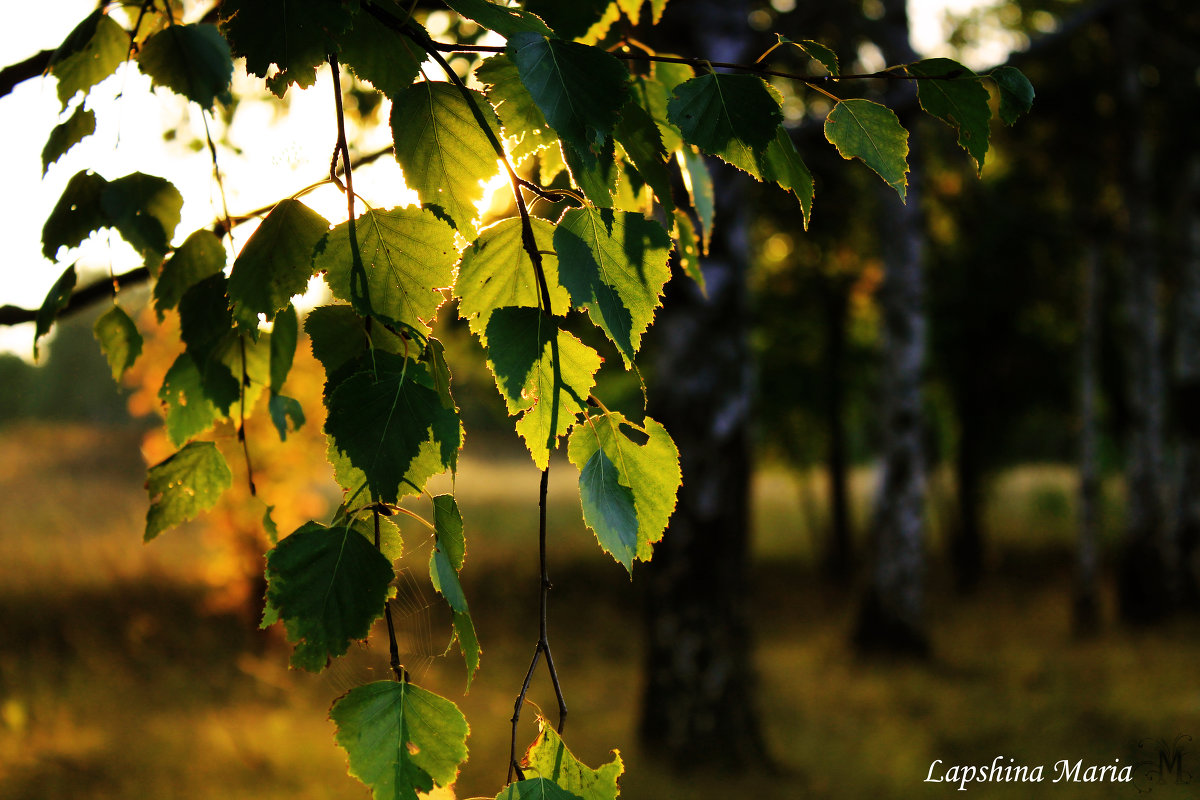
(1086,617)
(892,616)
(1146,579)
(839,554)
(1187,396)
(698,706)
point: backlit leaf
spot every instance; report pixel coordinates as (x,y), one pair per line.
(56,300)
(295,36)
(698,181)
(386,58)
(496,272)
(200,255)
(185,484)
(535,789)
(445,155)
(536,364)
(392,425)
(275,263)
(596,174)
(78,126)
(608,508)
(145,210)
(614,264)
(579,89)
(650,470)
(400,738)
(119,340)
(409,256)
(687,247)
(90,53)
(569,20)
(868,131)
(549,758)
(189,410)
(1016,93)
(327,585)
(76,214)
(191,60)
(730,116)
(287,415)
(525,128)
(959,101)
(783,165)
(284,334)
(503,20)
(639,136)
(814,50)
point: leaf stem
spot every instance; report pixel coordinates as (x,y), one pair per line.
(241,434)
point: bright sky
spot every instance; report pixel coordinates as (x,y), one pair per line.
(281,153)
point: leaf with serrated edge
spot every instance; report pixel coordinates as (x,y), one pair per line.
(327,585)
(185,484)
(275,263)
(76,214)
(78,126)
(536,363)
(687,248)
(145,210)
(495,272)
(188,409)
(579,89)
(400,739)
(200,256)
(614,264)
(608,508)
(649,470)
(733,117)
(872,133)
(89,54)
(960,101)
(525,127)
(642,142)
(190,60)
(409,257)
(294,35)
(1016,93)
(699,184)
(815,50)
(504,21)
(783,165)
(284,334)
(286,414)
(548,757)
(119,340)
(595,175)
(56,300)
(446,157)
(386,58)
(468,644)
(392,426)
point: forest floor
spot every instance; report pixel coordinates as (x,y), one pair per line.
(118,680)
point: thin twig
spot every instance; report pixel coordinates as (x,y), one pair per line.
(241,434)
(360,294)
(394,648)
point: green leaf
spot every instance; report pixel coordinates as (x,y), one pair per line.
(386,58)
(579,89)
(570,20)
(56,300)
(338,339)
(698,181)
(542,372)
(76,214)
(687,248)
(205,324)
(960,101)
(328,585)
(190,60)
(782,164)
(730,116)
(275,263)
(814,50)
(608,508)
(200,256)
(145,210)
(185,484)
(868,131)
(284,334)
(504,21)
(535,789)
(650,470)
(496,272)
(549,758)
(639,136)
(445,155)
(409,257)
(468,644)
(286,414)
(90,53)
(1016,93)
(614,264)
(439,370)
(189,410)
(525,127)
(595,176)
(392,425)
(293,35)
(78,126)
(445,581)
(400,738)
(653,95)
(119,340)
(448,529)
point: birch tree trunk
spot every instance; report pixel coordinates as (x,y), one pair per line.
(892,616)
(1146,580)
(698,705)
